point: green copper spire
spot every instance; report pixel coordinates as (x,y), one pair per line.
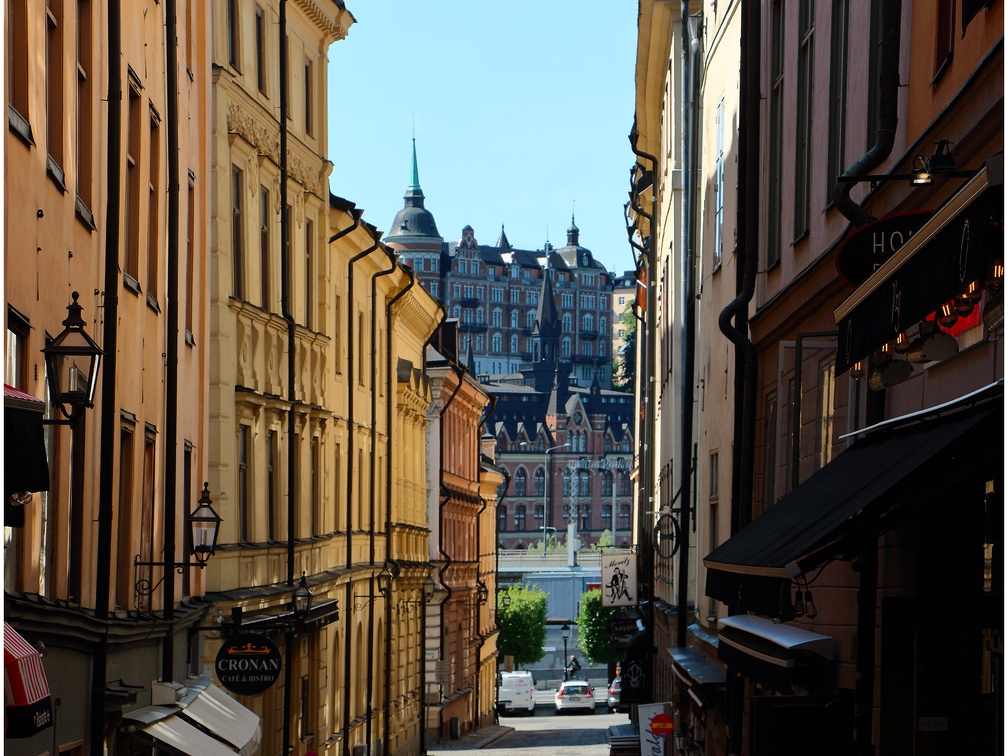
(415,180)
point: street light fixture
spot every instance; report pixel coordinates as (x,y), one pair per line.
(72,360)
(546,490)
(301,599)
(565,634)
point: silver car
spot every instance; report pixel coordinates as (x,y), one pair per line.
(574,695)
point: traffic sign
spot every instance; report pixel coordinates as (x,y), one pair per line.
(662,725)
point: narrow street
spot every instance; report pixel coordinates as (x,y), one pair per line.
(545,732)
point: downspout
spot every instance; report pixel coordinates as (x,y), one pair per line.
(647,383)
(103,565)
(349,595)
(372,536)
(443,499)
(388,493)
(488,410)
(888,102)
(286,284)
(172,349)
(747,221)
(692,27)
(423,627)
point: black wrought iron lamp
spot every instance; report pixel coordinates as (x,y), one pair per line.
(301,600)
(72,360)
(204,524)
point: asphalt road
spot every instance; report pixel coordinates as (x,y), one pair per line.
(569,734)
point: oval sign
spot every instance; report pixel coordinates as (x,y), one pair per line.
(867,247)
(662,725)
(248,664)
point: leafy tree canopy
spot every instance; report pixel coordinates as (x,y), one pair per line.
(593,630)
(522,624)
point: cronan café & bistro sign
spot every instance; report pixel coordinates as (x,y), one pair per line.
(248,664)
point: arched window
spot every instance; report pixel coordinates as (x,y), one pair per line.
(602,323)
(520,483)
(584,482)
(566,322)
(624,486)
(530,318)
(514,343)
(501,518)
(565,347)
(624,516)
(606,483)
(497,341)
(625,445)
(539,515)
(607,516)
(539,482)
(520,517)
(607,444)
(456,312)
(514,318)
(497,317)
(586,322)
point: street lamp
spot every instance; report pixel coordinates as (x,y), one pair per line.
(546,490)
(72,360)
(301,599)
(565,634)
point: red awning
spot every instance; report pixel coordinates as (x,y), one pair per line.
(28,704)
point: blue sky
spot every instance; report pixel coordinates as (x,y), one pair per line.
(521,111)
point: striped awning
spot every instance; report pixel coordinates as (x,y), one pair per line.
(28,704)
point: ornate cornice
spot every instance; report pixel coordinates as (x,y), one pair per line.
(334,29)
(420,321)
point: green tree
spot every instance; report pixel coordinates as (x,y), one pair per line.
(522,624)
(593,630)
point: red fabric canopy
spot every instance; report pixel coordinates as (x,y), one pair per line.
(29,706)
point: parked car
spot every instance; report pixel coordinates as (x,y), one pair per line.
(612,701)
(573,695)
(516,693)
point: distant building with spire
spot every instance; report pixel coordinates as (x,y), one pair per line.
(513,303)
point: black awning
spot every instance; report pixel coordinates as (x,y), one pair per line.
(25,465)
(937,263)
(860,494)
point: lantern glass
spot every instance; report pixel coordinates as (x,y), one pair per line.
(428,588)
(384,582)
(205,525)
(72,360)
(302,598)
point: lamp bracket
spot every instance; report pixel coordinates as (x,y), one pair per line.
(142,586)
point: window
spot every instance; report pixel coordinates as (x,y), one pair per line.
(272,488)
(607,516)
(496,317)
(624,516)
(944,34)
(565,347)
(132,196)
(622,301)
(434,289)
(624,484)
(190,256)
(606,483)
(148,496)
(803,136)
(17,69)
(584,477)
(566,321)
(318,526)
(153,205)
(776,135)
(719,188)
(496,294)
(309,272)
(260,43)
(501,518)
(567,299)
(514,343)
(568,485)
(539,482)
(244,444)
(520,517)
(309,107)
(456,291)
(835,157)
(770,450)
(824,434)
(237,244)
(84,91)
(463,267)
(124,529)
(584,510)
(530,319)
(587,322)
(514,318)
(497,343)
(18,328)
(515,296)
(539,516)
(54,86)
(520,479)
(232,32)
(264,247)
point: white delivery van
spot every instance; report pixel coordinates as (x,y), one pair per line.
(516,692)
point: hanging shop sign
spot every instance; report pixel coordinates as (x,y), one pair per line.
(623,625)
(619,580)
(248,664)
(861,253)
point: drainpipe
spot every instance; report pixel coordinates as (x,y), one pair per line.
(172,349)
(388,493)
(692,27)
(747,221)
(423,630)
(371,484)
(103,566)
(349,595)
(646,339)
(888,102)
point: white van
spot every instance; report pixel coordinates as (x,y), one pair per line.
(516,692)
